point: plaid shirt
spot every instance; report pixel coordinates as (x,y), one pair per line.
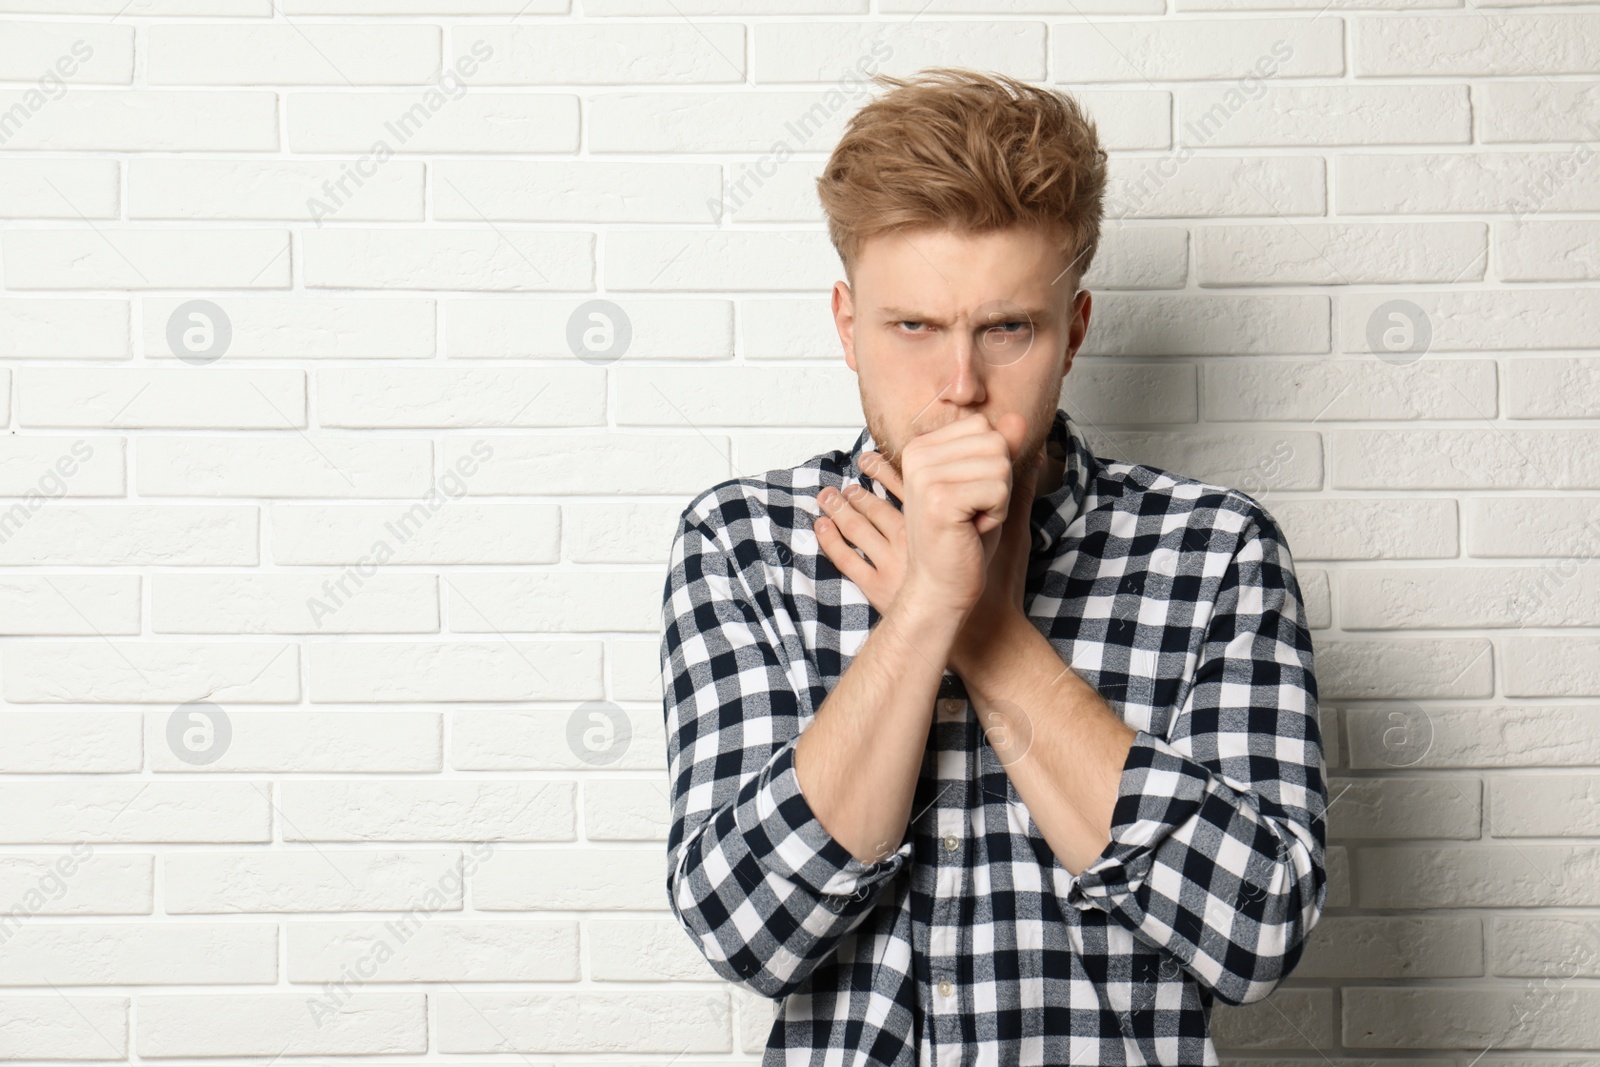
(971,944)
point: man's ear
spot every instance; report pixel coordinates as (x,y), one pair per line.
(1077,326)
(844,320)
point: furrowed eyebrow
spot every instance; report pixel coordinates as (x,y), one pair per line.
(908,314)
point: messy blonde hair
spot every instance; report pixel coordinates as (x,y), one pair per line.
(954,147)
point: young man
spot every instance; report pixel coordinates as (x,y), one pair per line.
(984,749)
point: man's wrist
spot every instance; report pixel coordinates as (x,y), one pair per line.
(979,648)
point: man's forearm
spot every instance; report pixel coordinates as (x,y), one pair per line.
(1062,745)
(858,760)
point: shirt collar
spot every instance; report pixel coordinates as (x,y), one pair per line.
(1052,513)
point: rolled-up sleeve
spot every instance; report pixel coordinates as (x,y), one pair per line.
(764,891)
(1218,836)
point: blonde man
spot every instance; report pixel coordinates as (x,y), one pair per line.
(984,749)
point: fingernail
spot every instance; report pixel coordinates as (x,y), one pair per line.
(854,492)
(868,462)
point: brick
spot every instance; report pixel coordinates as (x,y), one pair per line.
(737,396)
(1396,947)
(483,1021)
(1544,947)
(1129,324)
(119,8)
(116,258)
(441,531)
(351,742)
(1547,806)
(45,742)
(1298,1018)
(587,600)
(422,948)
(431,121)
(1399,668)
(1498,736)
(308,327)
(538,740)
(1553,389)
(626,811)
(58,189)
(130,535)
(1115,391)
(168,672)
(581,192)
(569,879)
(1306,391)
(1187,185)
(1194,49)
(1494,45)
(123,954)
(166,398)
(258,1024)
(665,260)
(79,882)
(1254,462)
(316,53)
(1463,459)
(64,1027)
(120,811)
(619,533)
(1371,808)
(1339,253)
(1510,1016)
(293,603)
(608,464)
(1380,528)
(1533,526)
(1537,111)
(1138,257)
(274,189)
(57,55)
(1549,666)
(633,669)
(143,121)
(1478,875)
(553,53)
(299,466)
(644,950)
(1470,597)
(428,811)
(1256,115)
(294,879)
(1547,251)
(476,259)
(721,122)
(821,51)
(39,328)
(382,671)
(461,396)
(1494,183)
(82,605)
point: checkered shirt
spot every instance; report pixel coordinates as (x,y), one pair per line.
(971,944)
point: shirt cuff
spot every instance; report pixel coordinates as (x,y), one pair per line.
(1160,790)
(785,836)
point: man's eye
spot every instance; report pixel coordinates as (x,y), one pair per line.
(912,322)
(1023,323)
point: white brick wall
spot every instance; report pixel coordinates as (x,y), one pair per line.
(260,797)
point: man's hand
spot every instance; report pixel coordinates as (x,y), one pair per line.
(882,533)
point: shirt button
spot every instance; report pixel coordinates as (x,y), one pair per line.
(945,988)
(951,842)
(950,708)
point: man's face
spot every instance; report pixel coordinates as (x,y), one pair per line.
(940,324)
